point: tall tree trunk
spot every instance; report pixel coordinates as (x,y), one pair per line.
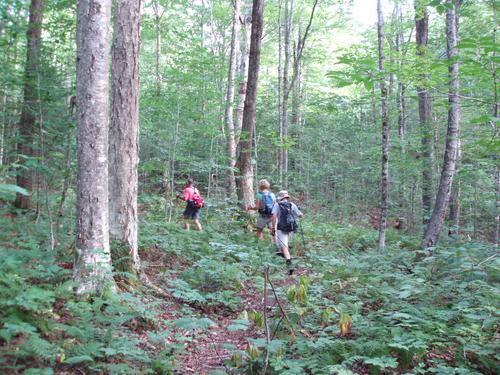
(296,118)
(228,116)
(280,87)
(243,68)
(424,109)
(124,134)
(455,197)
(92,270)
(158,16)
(433,229)
(283,159)
(244,180)
(384,183)
(27,122)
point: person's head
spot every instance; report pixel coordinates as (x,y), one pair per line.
(282,195)
(264,185)
(189,182)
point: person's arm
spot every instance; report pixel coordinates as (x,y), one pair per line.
(186,194)
(297,212)
(274,219)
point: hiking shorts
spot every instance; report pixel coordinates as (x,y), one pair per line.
(192,213)
(282,238)
(264,221)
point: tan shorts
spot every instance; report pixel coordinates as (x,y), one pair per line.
(282,238)
(264,221)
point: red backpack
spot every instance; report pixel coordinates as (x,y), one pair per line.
(197,199)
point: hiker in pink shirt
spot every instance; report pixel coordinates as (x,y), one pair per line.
(194,203)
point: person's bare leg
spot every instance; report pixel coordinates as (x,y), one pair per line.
(286,253)
(260,233)
(197,224)
(186,224)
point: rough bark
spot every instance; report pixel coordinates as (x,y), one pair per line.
(228,116)
(283,157)
(27,122)
(243,68)
(433,229)
(124,132)
(455,197)
(384,183)
(92,270)
(244,179)
(424,110)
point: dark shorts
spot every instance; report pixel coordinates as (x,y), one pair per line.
(192,213)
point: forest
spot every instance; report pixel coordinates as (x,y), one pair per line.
(140,142)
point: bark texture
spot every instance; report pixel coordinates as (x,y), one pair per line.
(433,229)
(124,130)
(92,268)
(27,122)
(244,179)
(243,68)
(424,110)
(228,116)
(384,182)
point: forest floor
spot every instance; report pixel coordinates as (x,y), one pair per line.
(348,308)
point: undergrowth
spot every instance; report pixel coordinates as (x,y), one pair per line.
(349,308)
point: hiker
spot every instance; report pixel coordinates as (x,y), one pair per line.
(264,202)
(194,203)
(284,223)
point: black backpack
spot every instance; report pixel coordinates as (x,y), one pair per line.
(266,204)
(286,220)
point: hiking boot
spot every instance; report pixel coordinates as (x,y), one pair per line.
(290,267)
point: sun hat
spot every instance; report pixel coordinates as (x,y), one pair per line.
(282,195)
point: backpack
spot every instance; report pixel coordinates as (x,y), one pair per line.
(286,220)
(266,204)
(197,200)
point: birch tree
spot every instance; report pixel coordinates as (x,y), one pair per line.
(228,116)
(433,229)
(124,133)
(384,182)
(92,269)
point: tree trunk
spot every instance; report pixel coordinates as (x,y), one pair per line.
(27,122)
(384,183)
(92,270)
(228,116)
(244,180)
(158,16)
(455,197)
(283,159)
(124,135)
(280,87)
(424,110)
(433,229)
(243,68)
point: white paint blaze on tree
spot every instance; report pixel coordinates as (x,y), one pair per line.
(384,183)
(92,270)
(433,229)
(124,130)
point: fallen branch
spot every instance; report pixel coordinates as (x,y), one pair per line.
(266,323)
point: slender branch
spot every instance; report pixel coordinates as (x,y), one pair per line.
(299,53)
